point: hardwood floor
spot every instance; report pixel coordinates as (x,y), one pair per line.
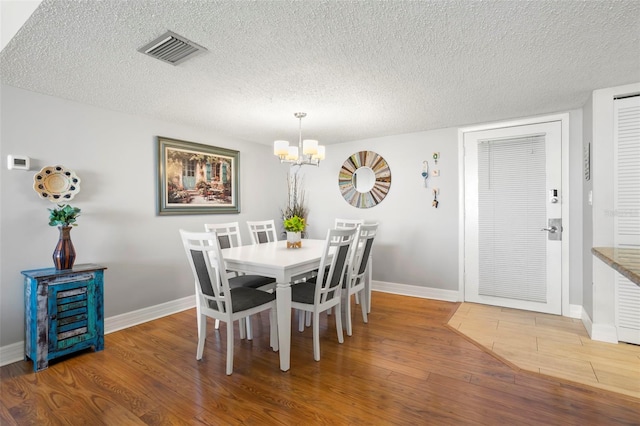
(552,345)
(405,367)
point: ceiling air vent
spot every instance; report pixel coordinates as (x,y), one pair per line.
(171,48)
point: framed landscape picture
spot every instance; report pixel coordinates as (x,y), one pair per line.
(197,179)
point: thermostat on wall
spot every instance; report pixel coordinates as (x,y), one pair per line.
(18,162)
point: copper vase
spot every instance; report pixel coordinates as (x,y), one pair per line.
(64,255)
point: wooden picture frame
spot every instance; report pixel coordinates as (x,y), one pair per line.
(195,178)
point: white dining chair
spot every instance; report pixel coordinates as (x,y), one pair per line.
(229,236)
(262,231)
(215,297)
(323,292)
(354,283)
(341,223)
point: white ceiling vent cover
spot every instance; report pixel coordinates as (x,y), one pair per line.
(171,48)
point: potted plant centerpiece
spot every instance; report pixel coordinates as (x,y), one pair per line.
(64,217)
(294,226)
(295,206)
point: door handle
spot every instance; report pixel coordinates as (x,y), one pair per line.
(551,229)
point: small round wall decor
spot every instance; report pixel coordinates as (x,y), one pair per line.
(56,183)
(364,179)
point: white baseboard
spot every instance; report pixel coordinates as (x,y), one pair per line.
(415,291)
(599,332)
(604,333)
(15,352)
(11,353)
(575,311)
(140,316)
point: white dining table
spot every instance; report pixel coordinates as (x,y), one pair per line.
(276,260)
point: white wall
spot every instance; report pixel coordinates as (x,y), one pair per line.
(114,155)
(416,243)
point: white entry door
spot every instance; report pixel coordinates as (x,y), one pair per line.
(513,217)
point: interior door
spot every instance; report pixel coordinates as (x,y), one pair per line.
(513,217)
(626,193)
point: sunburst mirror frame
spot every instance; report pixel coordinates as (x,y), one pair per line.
(381,186)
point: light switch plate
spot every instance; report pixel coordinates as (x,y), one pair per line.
(18,162)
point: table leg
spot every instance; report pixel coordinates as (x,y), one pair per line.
(283,300)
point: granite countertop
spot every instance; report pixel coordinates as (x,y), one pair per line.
(624,260)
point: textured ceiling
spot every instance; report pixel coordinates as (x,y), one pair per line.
(360,69)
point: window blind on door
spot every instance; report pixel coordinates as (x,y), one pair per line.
(511,213)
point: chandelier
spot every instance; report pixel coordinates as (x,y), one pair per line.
(308,152)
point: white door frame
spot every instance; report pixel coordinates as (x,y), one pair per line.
(564,119)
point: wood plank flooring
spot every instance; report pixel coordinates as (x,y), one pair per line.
(406,367)
(551,345)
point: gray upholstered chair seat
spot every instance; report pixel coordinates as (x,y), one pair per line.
(250,281)
(243,298)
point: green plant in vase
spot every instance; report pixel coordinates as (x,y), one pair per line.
(64,217)
(294,226)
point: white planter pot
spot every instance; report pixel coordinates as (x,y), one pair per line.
(294,239)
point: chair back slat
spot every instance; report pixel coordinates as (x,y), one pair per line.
(347,223)
(228,233)
(263,237)
(202,272)
(224,241)
(362,253)
(337,250)
(263,231)
(365,255)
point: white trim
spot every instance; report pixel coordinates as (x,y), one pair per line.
(599,332)
(151,313)
(575,311)
(15,352)
(564,119)
(416,291)
(604,333)
(12,353)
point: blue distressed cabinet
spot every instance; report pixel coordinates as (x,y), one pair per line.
(63,312)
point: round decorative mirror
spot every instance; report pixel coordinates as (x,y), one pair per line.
(365,179)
